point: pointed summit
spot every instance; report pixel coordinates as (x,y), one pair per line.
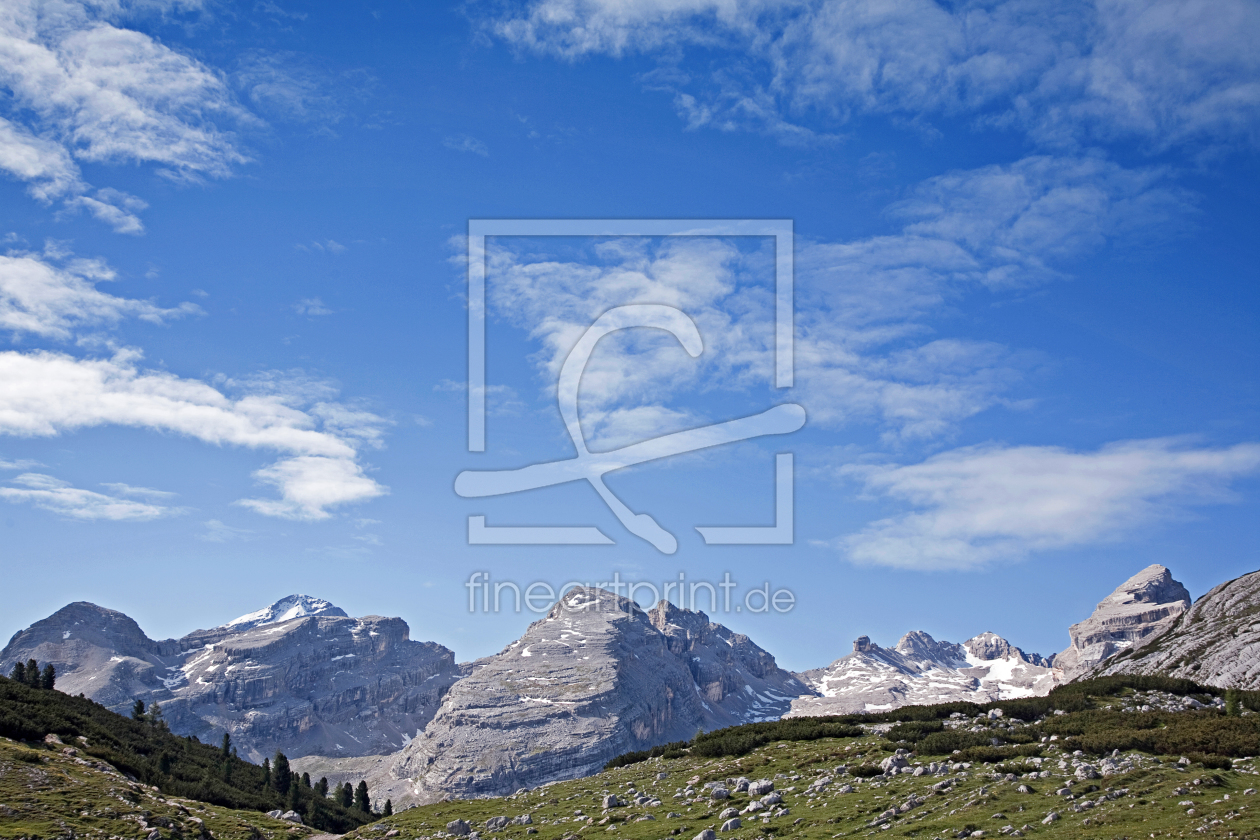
(286,609)
(1139,609)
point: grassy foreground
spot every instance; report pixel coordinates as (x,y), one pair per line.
(1116,794)
(58,791)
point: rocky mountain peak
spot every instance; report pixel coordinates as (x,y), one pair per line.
(286,609)
(1216,641)
(862,644)
(1138,610)
(1152,585)
(918,645)
(989,646)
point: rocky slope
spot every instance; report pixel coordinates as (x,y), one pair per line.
(738,681)
(921,670)
(1139,609)
(594,679)
(1216,641)
(299,675)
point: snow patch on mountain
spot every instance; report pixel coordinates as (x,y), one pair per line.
(286,609)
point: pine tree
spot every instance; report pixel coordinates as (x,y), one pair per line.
(346,795)
(389,809)
(18,674)
(281,775)
(164,764)
(266,783)
(226,750)
(155,716)
(1233,702)
(48,677)
(323,786)
(361,800)
(32,673)
(295,798)
(306,780)
(137,711)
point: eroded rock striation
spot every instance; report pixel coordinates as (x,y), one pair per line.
(922,670)
(1216,641)
(1139,609)
(299,675)
(739,682)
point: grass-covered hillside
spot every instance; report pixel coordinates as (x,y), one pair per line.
(52,791)
(1123,757)
(146,752)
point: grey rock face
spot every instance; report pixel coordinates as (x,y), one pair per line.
(590,681)
(1139,609)
(922,670)
(1216,641)
(738,681)
(319,682)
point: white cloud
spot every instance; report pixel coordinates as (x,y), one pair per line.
(311,307)
(1165,72)
(80,88)
(47,394)
(217,532)
(121,489)
(990,503)
(114,207)
(56,297)
(46,166)
(22,464)
(59,497)
(465,143)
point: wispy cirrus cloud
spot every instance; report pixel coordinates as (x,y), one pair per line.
(466,143)
(81,88)
(983,504)
(54,295)
(1169,72)
(865,348)
(44,491)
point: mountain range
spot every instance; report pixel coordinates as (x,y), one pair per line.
(598,676)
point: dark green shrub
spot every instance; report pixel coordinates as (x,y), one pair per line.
(865,771)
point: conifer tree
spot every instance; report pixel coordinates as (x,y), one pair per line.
(266,783)
(32,673)
(306,780)
(361,800)
(323,786)
(164,764)
(281,775)
(155,716)
(346,795)
(389,808)
(137,710)
(226,750)
(48,677)
(18,674)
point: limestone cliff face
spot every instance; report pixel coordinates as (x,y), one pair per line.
(1216,641)
(1139,609)
(590,681)
(317,682)
(738,681)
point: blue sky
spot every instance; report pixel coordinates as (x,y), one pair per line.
(232,302)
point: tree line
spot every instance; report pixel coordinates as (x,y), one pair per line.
(29,673)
